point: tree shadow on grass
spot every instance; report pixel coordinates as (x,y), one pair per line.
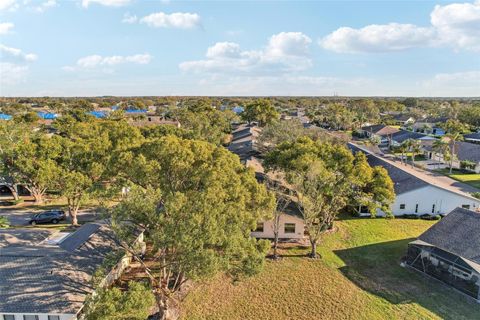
(376,269)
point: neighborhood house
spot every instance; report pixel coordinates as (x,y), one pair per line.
(47,276)
(418,193)
(449,251)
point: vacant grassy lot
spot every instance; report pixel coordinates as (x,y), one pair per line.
(472,179)
(358,277)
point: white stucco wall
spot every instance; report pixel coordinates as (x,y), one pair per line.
(284,218)
(444,201)
(41,316)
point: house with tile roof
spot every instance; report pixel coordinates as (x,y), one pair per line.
(399,137)
(47,276)
(450,252)
(379,131)
(467,155)
(418,192)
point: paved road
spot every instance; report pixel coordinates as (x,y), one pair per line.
(20,217)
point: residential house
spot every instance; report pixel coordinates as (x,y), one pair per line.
(399,137)
(450,252)
(419,192)
(244,142)
(47,276)
(430,125)
(379,131)
(403,119)
(467,155)
(291,223)
(291,226)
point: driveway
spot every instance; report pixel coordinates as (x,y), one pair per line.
(20,217)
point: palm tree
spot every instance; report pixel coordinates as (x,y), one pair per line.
(441,147)
(454,137)
(415,148)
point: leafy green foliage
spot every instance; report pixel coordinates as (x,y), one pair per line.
(205,123)
(4,223)
(261,111)
(198,204)
(325,177)
(114,304)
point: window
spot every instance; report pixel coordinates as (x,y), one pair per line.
(259,227)
(402,206)
(466,206)
(416,208)
(53,317)
(433,209)
(289,228)
(8,317)
(30,317)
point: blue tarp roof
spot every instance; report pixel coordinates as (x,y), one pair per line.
(135,111)
(98,114)
(4,116)
(47,115)
(115,107)
(238,109)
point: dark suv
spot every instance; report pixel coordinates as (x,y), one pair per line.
(53,216)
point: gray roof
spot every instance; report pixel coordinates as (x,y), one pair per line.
(434,120)
(404,135)
(457,233)
(402,180)
(380,129)
(402,117)
(36,277)
(475,136)
(244,142)
(467,151)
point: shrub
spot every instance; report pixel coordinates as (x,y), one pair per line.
(410,216)
(4,223)
(114,304)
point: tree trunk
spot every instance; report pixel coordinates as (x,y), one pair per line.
(451,156)
(13,190)
(275,245)
(313,252)
(37,195)
(73,211)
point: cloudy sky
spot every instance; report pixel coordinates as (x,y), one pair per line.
(137,47)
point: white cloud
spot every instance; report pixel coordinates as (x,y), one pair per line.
(465,83)
(10,5)
(16,54)
(178,20)
(106,3)
(288,44)
(128,18)
(456,25)
(45,5)
(6,27)
(12,73)
(286,51)
(94,61)
(377,38)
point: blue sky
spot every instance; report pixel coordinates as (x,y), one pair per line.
(134,47)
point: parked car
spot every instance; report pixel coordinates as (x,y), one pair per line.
(52,216)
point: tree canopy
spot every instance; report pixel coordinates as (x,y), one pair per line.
(199,204)
(325,176)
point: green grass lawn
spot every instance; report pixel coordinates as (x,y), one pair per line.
(358,277)
(472,179)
